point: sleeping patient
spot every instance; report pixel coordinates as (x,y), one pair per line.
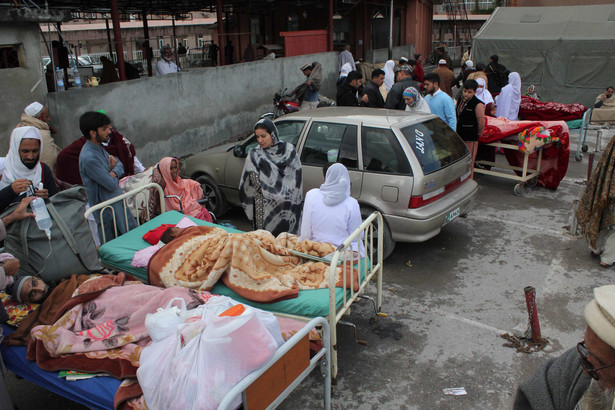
(141,258)
(23,289)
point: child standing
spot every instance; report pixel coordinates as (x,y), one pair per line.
(470,118)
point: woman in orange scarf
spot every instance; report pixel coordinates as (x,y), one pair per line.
(187,189)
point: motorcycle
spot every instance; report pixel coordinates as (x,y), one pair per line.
(283,104)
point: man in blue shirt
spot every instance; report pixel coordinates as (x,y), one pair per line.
(100,173)
(439,102)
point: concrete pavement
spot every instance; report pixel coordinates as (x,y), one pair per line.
(449,299)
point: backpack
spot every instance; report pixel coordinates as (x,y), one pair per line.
(72,251)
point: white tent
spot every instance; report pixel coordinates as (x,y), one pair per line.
(567,52)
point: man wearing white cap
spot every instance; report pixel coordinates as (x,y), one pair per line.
(583,377)
(447,77)
(37,115)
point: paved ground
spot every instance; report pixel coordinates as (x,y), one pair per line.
(448,301)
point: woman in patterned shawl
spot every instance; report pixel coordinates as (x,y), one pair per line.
(271,189)
(596,211)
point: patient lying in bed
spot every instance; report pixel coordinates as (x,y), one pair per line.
(255,265)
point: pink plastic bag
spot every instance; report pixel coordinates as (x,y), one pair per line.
(195,367)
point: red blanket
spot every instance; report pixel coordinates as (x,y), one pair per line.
(531,109)
(554,157)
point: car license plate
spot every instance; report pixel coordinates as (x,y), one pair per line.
(454,214)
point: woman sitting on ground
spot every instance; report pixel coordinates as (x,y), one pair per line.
(188,190)
(330,214)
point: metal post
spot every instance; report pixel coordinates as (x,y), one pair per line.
(391,32)
(109,40)
(174,40)
(117,35)
(366,23)
(146,34)
(530,300)
(221,37)
(330,45)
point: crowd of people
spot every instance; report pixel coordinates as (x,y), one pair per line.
(271,188)
(404,85)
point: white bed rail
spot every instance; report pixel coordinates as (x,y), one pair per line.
(323,357)
(370,231)
(134,193)
(364,236)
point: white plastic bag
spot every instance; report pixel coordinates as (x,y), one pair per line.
(164,322)
(194,367)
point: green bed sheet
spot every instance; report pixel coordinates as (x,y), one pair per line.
(119,252)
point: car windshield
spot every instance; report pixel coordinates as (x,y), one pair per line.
(435,144)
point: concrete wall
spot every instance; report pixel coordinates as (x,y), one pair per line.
(18,86)
(184,113)
(380,55)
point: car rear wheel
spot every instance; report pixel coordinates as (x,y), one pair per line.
(216,202)
(388,244)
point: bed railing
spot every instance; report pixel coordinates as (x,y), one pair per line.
(265,377)
(363,240)
(103,206)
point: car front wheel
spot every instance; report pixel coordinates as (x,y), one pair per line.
(388,244)
(215,201)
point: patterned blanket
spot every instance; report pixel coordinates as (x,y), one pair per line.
(101,329)
(255,265)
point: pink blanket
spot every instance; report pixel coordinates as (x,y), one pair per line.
(103,332)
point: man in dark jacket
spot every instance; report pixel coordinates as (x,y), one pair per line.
(497,75)
(581,378)
(347,91)
(372,90)
(395,98)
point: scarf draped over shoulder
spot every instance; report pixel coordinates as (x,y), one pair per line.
(281,181)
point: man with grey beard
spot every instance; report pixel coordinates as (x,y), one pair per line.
(583,378)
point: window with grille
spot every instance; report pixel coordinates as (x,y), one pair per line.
(9,56)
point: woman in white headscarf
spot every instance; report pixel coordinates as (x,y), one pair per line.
(415,102)
(330,214)
(389,74)
(346,68)
(509,99)
(482,93)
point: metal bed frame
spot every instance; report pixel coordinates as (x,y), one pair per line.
(528,176)
(368,236)
(582,146)
(265,377)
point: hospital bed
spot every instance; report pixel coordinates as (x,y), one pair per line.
(331,303)
(265,387)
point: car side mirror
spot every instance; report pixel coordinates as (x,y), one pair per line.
(239,151)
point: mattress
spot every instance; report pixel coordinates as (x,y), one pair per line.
(118,254)
(95,393)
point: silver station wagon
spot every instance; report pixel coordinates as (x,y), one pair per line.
(412,168)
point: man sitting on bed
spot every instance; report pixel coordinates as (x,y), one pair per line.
(101,173)
(604,107)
